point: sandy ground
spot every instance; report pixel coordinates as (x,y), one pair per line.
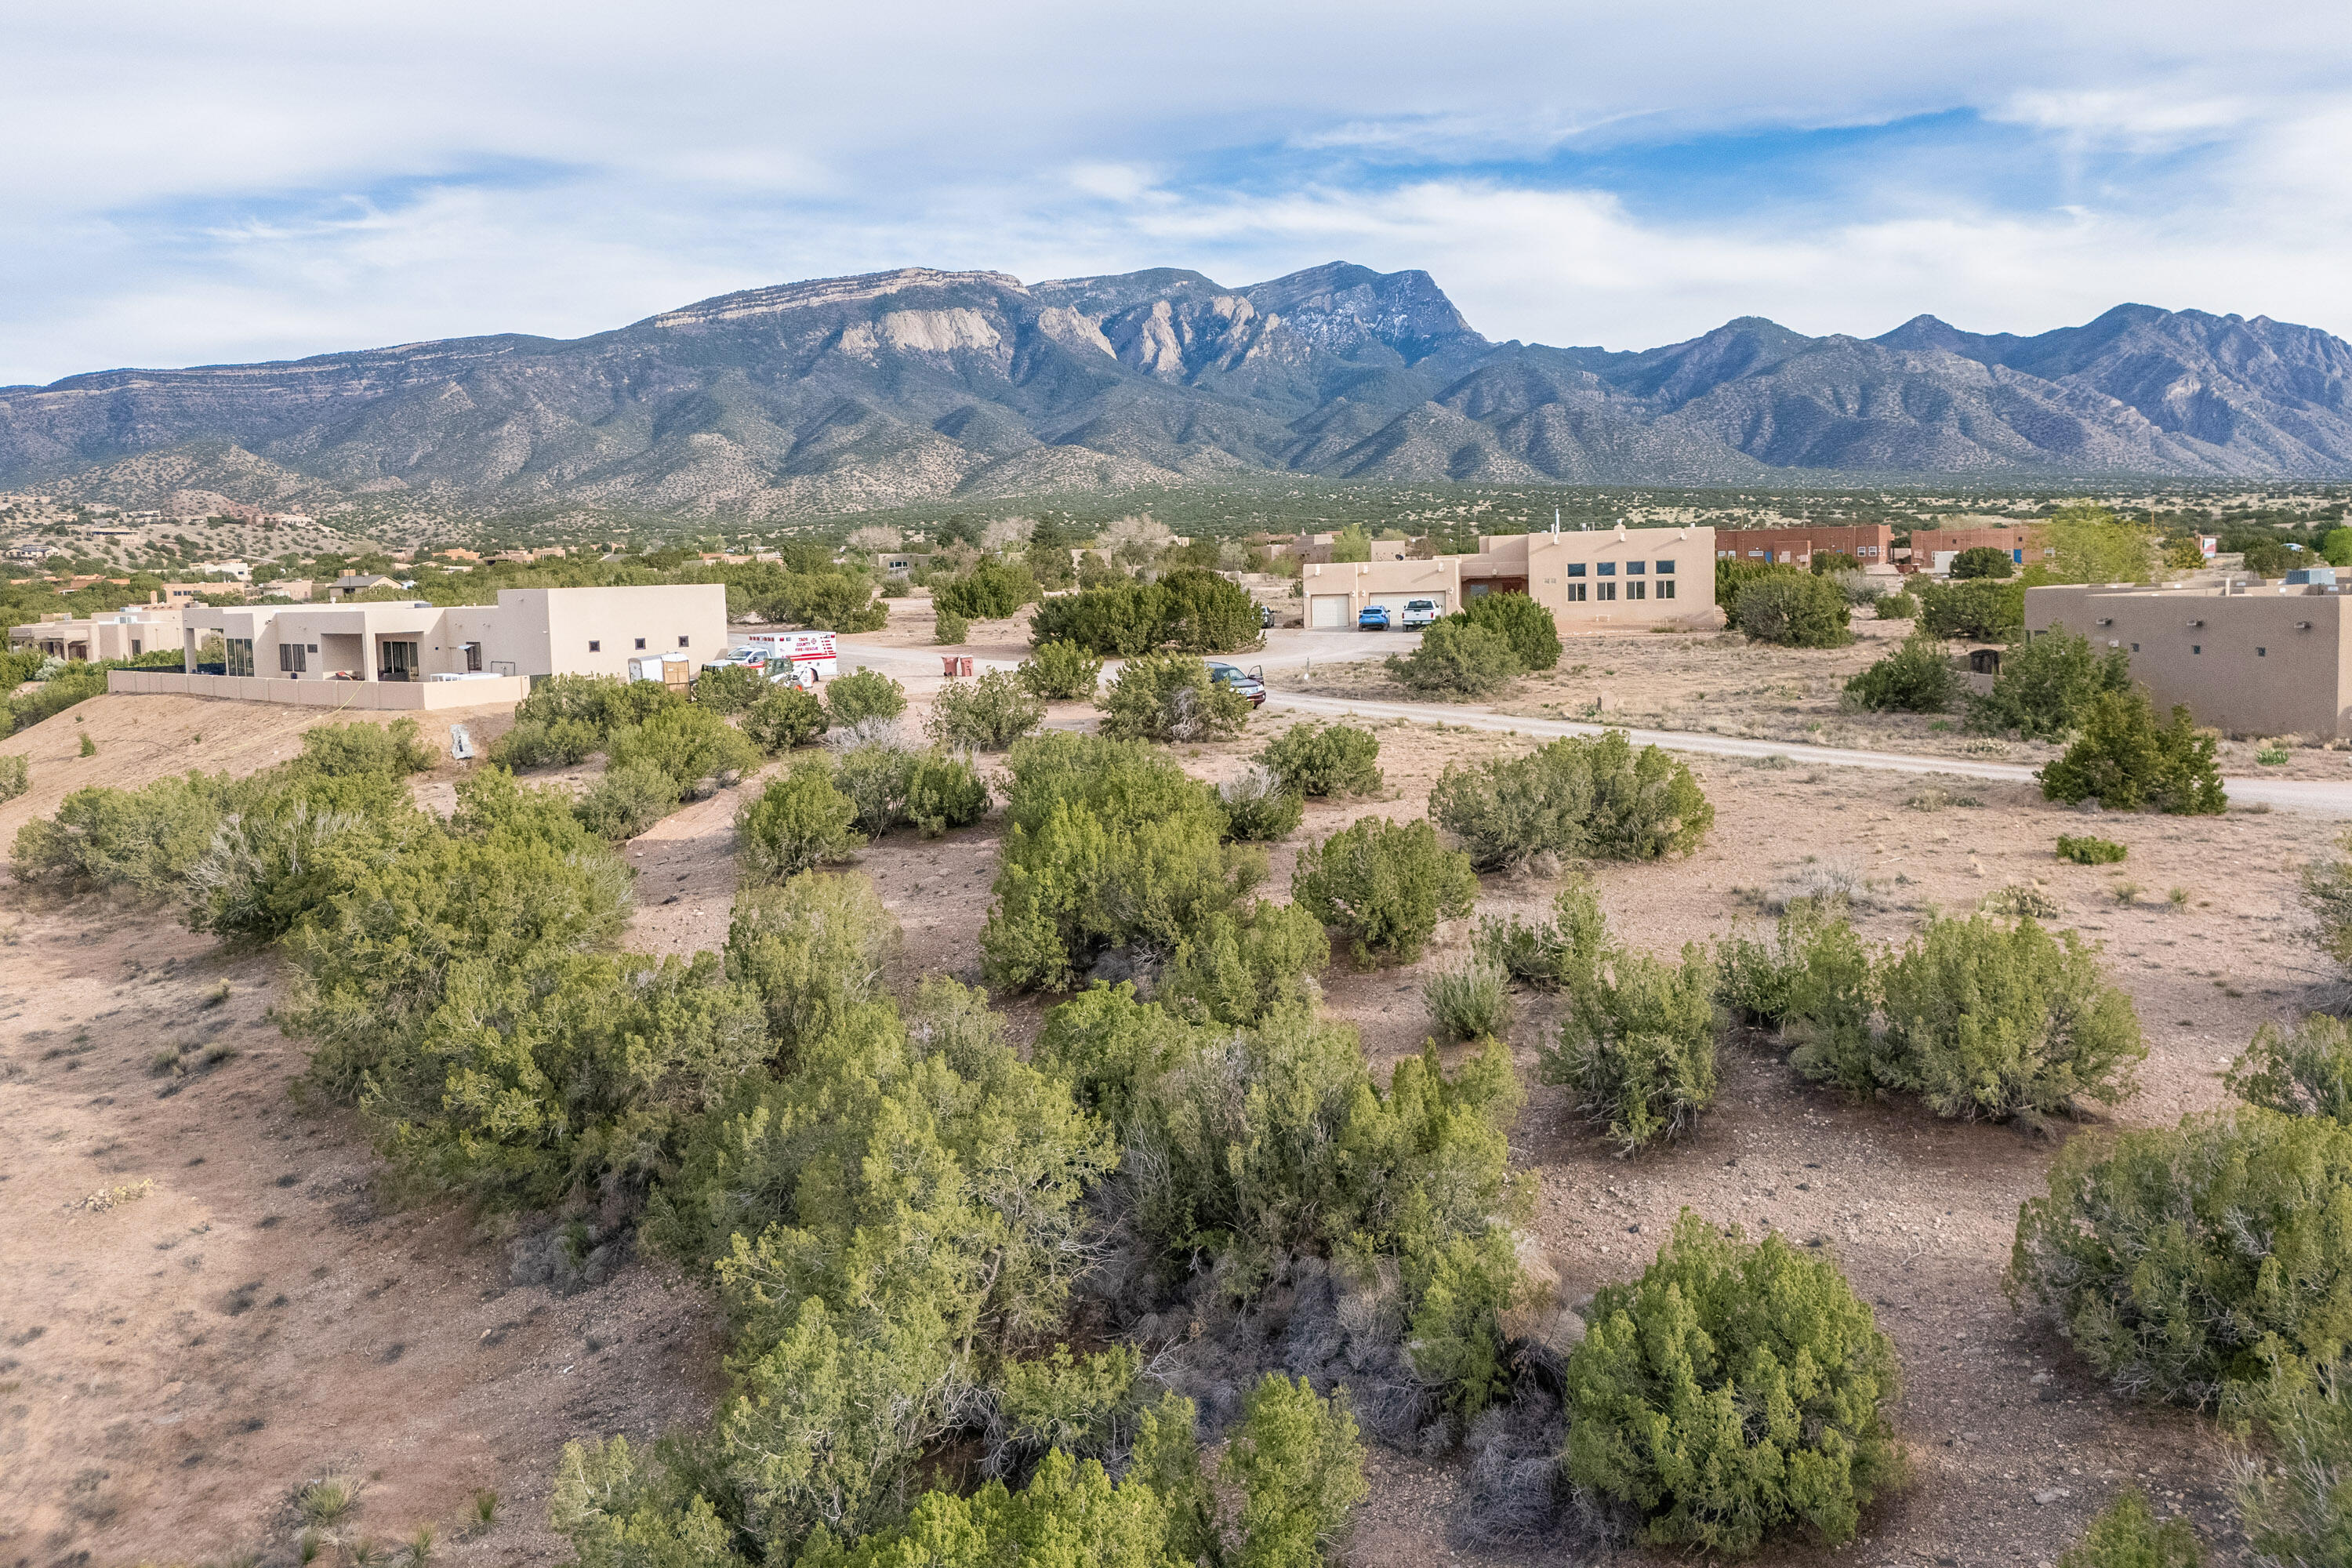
(122,1359)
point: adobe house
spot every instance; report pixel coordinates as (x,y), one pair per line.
(1591,580)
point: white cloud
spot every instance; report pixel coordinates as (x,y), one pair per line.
(263,177)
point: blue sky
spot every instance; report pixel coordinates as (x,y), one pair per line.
(245,181)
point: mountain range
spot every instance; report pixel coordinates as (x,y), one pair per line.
(891,387)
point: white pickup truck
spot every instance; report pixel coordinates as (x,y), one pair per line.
(1419,612)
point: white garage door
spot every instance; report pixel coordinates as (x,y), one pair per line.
(1327,610)
(1396,603)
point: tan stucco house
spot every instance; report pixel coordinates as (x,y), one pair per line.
(1591,580)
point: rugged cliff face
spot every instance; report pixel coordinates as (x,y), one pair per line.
(914,383)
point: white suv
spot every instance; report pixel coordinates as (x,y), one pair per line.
(1420,613)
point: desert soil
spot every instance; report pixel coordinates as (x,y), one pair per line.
(174,1366)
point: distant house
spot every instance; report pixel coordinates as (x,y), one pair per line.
(360,583)
(124,635)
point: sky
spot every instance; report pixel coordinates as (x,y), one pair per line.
(241,181)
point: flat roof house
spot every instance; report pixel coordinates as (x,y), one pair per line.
(416,654)
(126,634)
(1872,544)
(1591,580)
(2245,658)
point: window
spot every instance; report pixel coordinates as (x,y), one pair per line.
(1665,568)
(2134,647)
(681,642)
(2261,653)
(239,657)
(313,647)
(1576,592)
(1608,590)
(291,658)
(472,657)
(1636,568)
(1636,590)
(1576,568)
(2195,647)
(1665,590)
(641,642)
(1606,569)
(595,647)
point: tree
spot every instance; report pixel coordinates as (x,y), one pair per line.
(2046,685)
(1319,759)
(1983,610)
(2127,762)
(1351,543)
(1300,1470)
(784,717)
(1209,613)
(1385,886)
(1795,610)
(2138,1253)
(983,715)
(989,591)
(1572,799)
(1982,560)
(1526,625)
(1916,678)
(862,694)
(1457,661)
(2089,545)
(2336,547)
(1061,672)
(1732,1392)
(1171,697)
(1733,577)
(730,688)
(796,824)
(693,745)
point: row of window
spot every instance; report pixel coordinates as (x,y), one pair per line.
(1606,592)
(597,646)
(1609,568)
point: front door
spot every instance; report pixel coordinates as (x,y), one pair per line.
(395,661)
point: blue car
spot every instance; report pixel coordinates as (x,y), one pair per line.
(1375,618)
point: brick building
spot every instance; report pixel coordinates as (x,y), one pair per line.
(1872,544)
(1932,549)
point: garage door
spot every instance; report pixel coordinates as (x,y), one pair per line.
(1395,603)
(1327,610)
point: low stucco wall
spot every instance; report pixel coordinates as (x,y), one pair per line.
(375,696)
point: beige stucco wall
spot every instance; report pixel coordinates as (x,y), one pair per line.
(373,696)
(548,630)
(2267,661)
(103,636)
(1545,565)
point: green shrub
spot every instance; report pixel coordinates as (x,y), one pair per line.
(15,775)
(1319,759)
(1534,955)
(1085,1406)
(1758,983)
(1169,697)
(784,717)
(950,629)
(147,839)
(1456,661)
(1572,799)
(1989,1019)
(1470,1001)
(862,694)
(2293,1502)
(1258,809)
(1795,610)
(1981,611)
(1061,672)
(894,786)
(983,715)
(1385,886)
(1526,625)
(1733,577)
(813,950)
(62,688)
(730,688)
(603,702)
(1982,560)
(547,742)
(2087,849)
(2046,685)
(2195,1262)
(342,750)
(1732,1392)
(698,749)
(2306,1073)
(1239,968)
(2127,1535)
(2328,895)
(1107,843)
(291,840)
(1916,678)
(1300,1470)
(989,591)
(1637,1043)
(625,800)
(1207,613)
(2126,760)
(1898,606)
(1118,620)
(798,823)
